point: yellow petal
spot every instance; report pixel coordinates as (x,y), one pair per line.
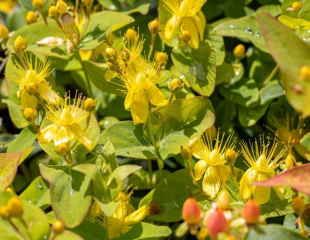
(171,5)
(246,187)
(171,28)
(199,150)
(139,108)
(199,169)
(79,134)
(47,93)
(201,24)
(28,100)
(189,25)
(190,7)
(261,194)
(138,215)
(156,97)
(212,182)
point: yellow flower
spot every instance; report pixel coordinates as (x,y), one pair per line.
(262,158)
(185,16)
(7,5)
(67,125)
(123,217)
(212,164)
(32,81)
(139,78)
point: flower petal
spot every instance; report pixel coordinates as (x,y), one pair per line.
(199,169)
(212,182)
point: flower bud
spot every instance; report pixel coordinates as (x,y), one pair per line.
(20,44)
(304,74)
(223,200)
(131,35)
(31,17)
(52,11)
(251,212)
(4,32)
(216,223)
(58,227)
(298,204)
(161,58)
(4,212)
(111,53)
(89,104)
(63,148)
(231,155)
(38,3)
(186,37)
(191,211)
(15,207)
(289,161)
(239,51)
(175,84)
(297,5)
(61,7)
(154,26)
(30,114)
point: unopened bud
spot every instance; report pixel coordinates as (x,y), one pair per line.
(38,3)
(31,17)
(297,5)
(62,148)
(175,84)
(4,32)
(52,11)
(61,7)
(216,223)
(191,212)
(58,227)
(231,155)
(89,104)
(298,205)
(30,114)
(4,212)
(251,212)
(20,44)
(161,58)
(131,35)
(239,51)
(15,207)
(111,53)
(154,26)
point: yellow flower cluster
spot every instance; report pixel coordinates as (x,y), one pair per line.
(139,76)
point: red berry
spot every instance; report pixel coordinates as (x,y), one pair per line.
(251,212)
(191,211)
(216,223)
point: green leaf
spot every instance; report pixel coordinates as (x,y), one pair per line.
(100,23)
(249,116)
(8,168)
(244,92)
(91,231)
(122,172)
(16,114)
(291,54)
(273,232)
(305,141)
(198,67)
(24,140)
(174,125)
(128,140)
(67,235)
(146,231)
(270,91)
(68,192)
(37,193)
(244,28)
(170,195)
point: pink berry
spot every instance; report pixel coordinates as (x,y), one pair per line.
(251,212)
(216,223)
(191,211)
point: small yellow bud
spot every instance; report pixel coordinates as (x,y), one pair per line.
(186,37)
(175,84)
(154,26)
(31,17)
(297,5)
(38,3)
(305,73)
(20,44)
(52,11)
(131,34)
(30,114)
(15,207)
(289,161)
(87,2)
(223,200)
(231,155)
(4,212)
(298,205)
(4,32)
(58,227)
(62,148)
(161,58)
(61,7)
(89,104)
(111,53)
(239,51)
(9,190)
